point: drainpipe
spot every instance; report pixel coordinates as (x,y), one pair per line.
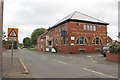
(106,36)
(68,38)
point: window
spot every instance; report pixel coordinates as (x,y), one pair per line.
(97,41)
(94,28)
(56,41)
(85,27)
(59,29)
(65,40)
(88,27)
(91,28)
(78,24)
(81,41)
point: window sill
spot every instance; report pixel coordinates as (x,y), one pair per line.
(81,44)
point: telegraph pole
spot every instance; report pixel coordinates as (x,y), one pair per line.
(1,35)
(119,21)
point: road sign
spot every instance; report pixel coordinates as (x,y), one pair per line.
(12,34)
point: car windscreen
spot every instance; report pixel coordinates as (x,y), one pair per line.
(106,47)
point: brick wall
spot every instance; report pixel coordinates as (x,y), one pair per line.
(41,44)
(73,29)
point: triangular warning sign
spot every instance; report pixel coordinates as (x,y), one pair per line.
(12,33)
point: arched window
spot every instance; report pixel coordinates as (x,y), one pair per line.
(97,41)
(81,41)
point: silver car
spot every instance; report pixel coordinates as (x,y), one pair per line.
(105,49)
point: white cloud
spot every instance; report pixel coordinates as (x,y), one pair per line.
(28,15)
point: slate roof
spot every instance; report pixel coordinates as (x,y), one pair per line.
(79,17)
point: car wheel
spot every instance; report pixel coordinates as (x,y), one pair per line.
(104,55)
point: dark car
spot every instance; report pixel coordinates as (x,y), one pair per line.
(105,49)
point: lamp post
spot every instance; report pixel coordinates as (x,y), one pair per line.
(1,35)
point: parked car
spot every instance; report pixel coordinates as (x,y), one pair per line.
(105,49)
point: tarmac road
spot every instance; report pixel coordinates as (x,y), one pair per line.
(56,65)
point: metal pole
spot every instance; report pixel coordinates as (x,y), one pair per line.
(119,21)
(1,35)
(12,54)
(119,35)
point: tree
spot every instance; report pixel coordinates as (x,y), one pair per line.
(27,42)
(35,34)
(15,45)
(20,45)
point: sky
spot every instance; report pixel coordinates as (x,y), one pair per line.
(28,15)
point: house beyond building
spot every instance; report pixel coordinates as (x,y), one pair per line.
(75,33)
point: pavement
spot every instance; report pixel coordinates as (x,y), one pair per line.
(13,68)
(102,60)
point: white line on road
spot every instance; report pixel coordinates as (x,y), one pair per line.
(26,70)
(98,72)
(59,61)
(89,56)
(100,55)
(94,61)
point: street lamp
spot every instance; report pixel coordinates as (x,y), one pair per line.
(119,36)
(1,36)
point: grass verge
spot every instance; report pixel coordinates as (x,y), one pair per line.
(32,49)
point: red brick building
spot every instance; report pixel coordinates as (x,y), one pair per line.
(75,33)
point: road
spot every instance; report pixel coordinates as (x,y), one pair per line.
(54,65)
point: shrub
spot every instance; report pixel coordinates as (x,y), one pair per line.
(115,48)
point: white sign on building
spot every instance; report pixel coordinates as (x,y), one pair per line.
(72,38)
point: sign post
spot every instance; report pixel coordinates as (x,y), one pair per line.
(12,37)
(12,54)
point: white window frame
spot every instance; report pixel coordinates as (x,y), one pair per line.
(99,42)
(85,27)
(84,41)
(94,28)
(91,28)
(88,27)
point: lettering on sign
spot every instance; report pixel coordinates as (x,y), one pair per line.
(12,39)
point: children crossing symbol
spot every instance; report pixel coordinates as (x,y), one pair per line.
(13,34)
